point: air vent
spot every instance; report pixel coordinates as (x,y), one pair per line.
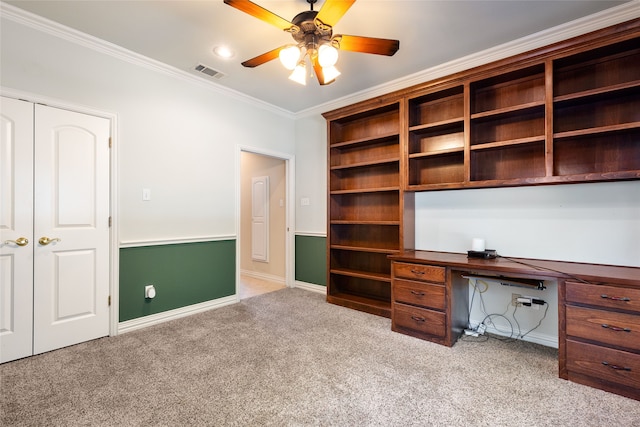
(209,71)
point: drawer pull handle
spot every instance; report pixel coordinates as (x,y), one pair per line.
(418,318)
(616,367)
(616,328)
(420,294)
(417,272)
(615,298)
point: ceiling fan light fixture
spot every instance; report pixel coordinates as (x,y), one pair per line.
(299,74)
(289,56)
(330,73)
(327,55)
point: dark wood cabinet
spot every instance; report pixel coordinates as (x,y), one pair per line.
(422,295)
(598,310)
(601,340)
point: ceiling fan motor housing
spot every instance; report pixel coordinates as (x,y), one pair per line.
(312,32)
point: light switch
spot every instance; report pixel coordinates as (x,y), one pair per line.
(146,194)
(305,201)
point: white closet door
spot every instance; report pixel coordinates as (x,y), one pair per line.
(71,270)
(260,218)
(16,224)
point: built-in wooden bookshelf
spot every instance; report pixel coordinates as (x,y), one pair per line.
(565,113)
(436,137)
(364,206)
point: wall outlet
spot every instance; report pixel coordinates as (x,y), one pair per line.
(514,299)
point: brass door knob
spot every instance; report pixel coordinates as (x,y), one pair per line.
(45,240)
(20,241)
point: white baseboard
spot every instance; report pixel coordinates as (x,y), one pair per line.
(154,319)
(264,276)
(310,287)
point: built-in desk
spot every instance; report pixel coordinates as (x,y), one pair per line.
(598,310)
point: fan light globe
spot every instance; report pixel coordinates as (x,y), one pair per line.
(299,74)
(330,73)
(289,57)
(327,55)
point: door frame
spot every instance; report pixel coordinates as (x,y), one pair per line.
(114,254)
(289,171)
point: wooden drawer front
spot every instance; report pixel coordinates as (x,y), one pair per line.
(603,296)
(428,273)
(418,319)
(417,293)
(607,327)
(615,366)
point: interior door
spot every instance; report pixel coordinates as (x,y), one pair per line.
(71,228)
(16,229)
(260,218)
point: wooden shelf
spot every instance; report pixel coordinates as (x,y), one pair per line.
(365,190)
(436,153)
(362,274)
(362,303)
(364,249)
(597,130)
(608,90)
(345,222)
(435,125)
(508,143)
(366,140)
(365,164)
(508,110)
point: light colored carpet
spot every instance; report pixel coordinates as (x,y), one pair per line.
(288,358)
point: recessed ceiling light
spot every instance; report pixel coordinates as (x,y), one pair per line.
(223,52)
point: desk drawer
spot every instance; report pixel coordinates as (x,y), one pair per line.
(418,319)
(608,327)
(603,296)
(615,366)
(428,273)
(419,293)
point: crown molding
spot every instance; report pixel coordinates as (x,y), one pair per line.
(55,29)
(587,24)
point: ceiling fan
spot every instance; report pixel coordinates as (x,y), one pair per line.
(313,34)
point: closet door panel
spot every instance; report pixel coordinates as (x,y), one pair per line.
(71,274)
(16,229)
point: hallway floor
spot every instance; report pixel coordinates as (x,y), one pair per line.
(252,286)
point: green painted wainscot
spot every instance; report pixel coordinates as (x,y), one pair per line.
(183,274)
(311,259)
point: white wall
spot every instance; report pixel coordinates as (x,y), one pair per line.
(595,223)
(175,136)
(311,174)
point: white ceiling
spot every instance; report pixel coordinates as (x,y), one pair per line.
(183,33)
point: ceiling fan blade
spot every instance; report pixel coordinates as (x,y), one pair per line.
(332,10)
(261,13)
(386,47)
(261,59)
(319,73)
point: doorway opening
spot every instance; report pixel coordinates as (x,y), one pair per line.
(264,214)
